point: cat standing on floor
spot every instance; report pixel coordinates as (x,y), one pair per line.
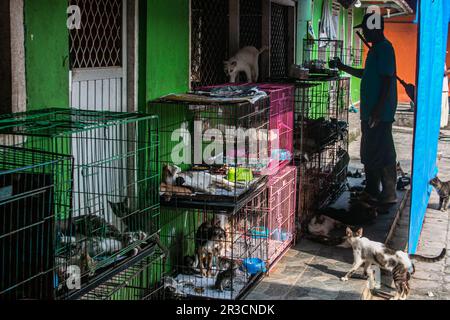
(367,252)
(246,60)
(443,190)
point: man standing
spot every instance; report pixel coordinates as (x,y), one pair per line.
(378,107)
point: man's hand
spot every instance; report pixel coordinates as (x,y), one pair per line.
(335,63)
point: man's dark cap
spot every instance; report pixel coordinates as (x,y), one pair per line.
(366,19)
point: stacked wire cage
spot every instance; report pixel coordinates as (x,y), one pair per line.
(34,189)
(213,193)
(114,201)
(139,281)
(321,141)
(318,52)
(213,254)
(281,178)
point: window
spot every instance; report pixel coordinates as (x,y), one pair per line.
(5,58)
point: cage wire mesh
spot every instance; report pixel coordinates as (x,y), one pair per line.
(279,41)
(209,41)
(98,43)
(317,54)
(141,281)
(214,255)
(114,203)
(282,193)
(321,144)
(33,189)
(213,155)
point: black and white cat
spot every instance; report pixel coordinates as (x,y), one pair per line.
(443,190)
(367,252)
(200,181)
(247,61)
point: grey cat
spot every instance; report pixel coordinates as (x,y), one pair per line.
(443,190)
(224,280)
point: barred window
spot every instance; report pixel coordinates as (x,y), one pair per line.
(98,44)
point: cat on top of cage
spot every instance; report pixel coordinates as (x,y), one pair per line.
(245,60)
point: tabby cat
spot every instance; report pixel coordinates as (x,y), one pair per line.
(443,190)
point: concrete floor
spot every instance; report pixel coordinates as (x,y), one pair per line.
(311,271)
(431,280)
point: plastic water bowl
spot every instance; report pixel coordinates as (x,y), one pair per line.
(254,266)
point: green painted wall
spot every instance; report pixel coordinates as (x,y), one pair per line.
(356,83)
(47,51)
(357,18)
(167,47)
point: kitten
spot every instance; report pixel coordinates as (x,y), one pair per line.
(443,190)
(246,60)
(322,225)
(224,280)
(189,265)
(209,243)
(366,253)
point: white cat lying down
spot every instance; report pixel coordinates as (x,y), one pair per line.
(198,180)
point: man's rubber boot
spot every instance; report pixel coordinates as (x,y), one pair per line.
(372,190)
(389,185)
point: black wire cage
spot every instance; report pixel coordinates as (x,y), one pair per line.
(213,154)
(140,281)
(215,255)
(321,143)
(318,52)
(33,189)
(114,201)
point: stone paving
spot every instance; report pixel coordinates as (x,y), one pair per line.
(431,280)
(311,271)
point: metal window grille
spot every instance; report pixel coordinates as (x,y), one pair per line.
(98,44)
(250,23)
(114,203)
(279,41)
(209,41)
(243,241)
(33,186)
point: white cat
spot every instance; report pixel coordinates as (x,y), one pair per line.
(198,180)
(246,60)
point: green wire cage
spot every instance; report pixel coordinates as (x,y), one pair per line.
(33,187)
(112,211)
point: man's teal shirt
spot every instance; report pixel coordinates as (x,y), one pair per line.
(380,62)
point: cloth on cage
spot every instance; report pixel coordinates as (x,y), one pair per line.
(251,93)
(227,94)
(326,29)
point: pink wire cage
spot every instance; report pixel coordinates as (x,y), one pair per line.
(281,142)
(282,191)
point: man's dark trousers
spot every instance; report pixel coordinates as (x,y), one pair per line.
(379,158)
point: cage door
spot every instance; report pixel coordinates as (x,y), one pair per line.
(98,56)
(98,82)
